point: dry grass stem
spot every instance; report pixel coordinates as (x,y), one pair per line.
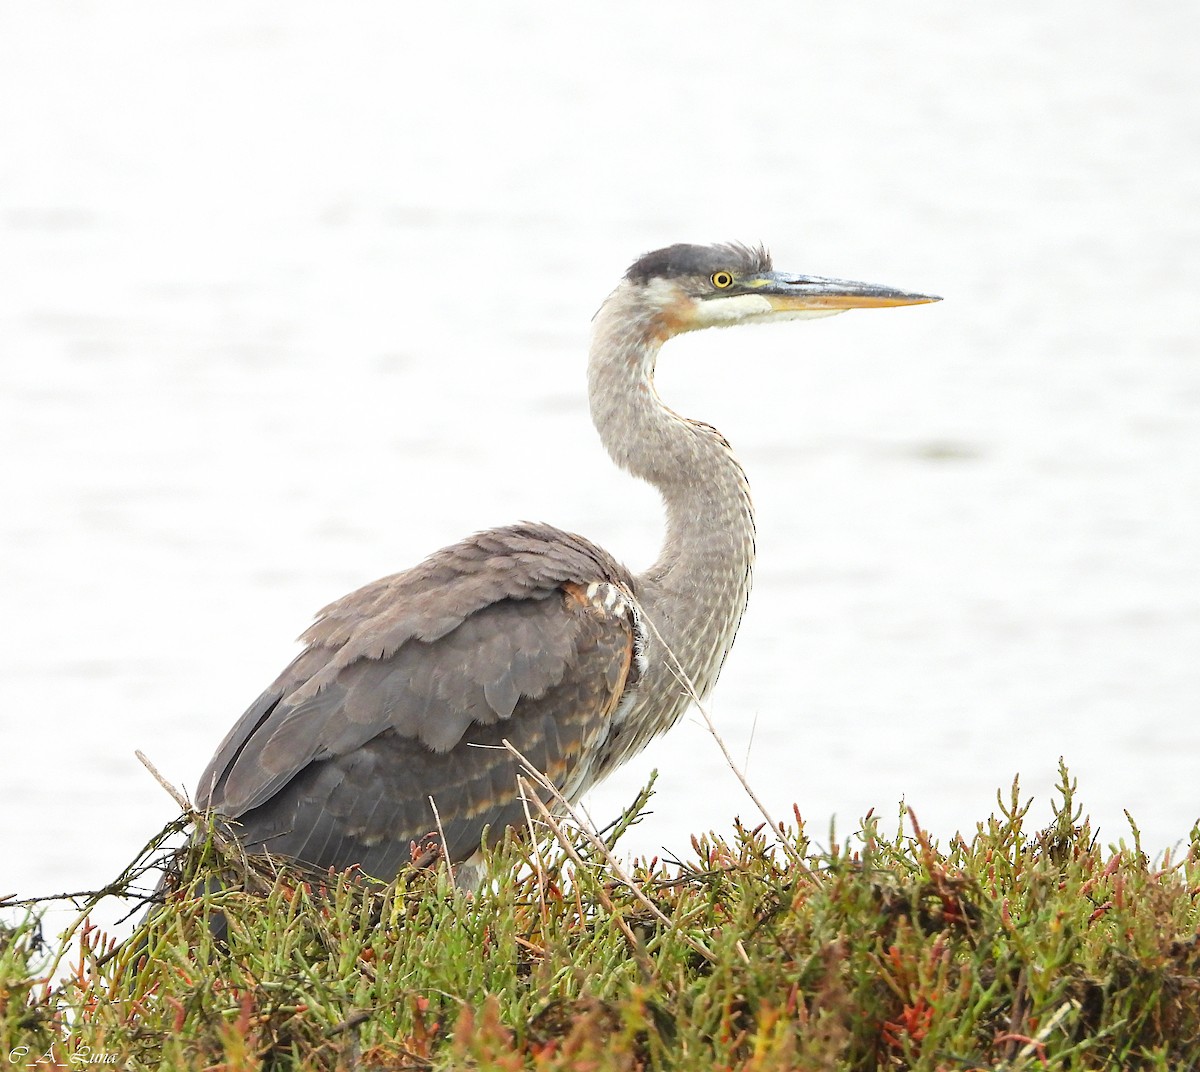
(689,687)
(597,843)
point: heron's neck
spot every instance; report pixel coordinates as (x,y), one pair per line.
(696,591)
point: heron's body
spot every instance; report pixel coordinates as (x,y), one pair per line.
(407,687)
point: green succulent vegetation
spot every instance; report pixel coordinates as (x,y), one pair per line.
(1011,949)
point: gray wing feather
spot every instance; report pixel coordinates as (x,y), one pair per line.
(369,805)
(410,669)
(429,691)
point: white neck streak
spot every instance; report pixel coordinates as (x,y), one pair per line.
(696,591)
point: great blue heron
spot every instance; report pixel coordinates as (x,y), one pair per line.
(407,687)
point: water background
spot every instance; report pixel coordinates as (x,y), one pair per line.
(292,295)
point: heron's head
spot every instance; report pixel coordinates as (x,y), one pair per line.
(686,287)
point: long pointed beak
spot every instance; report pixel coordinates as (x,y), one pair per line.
(810,292)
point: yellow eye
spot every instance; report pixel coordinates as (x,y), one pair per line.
(721,280)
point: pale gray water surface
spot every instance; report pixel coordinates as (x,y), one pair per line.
(289,298)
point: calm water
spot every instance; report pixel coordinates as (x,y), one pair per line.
(290,300)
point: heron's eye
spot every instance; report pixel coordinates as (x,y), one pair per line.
(721,280)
